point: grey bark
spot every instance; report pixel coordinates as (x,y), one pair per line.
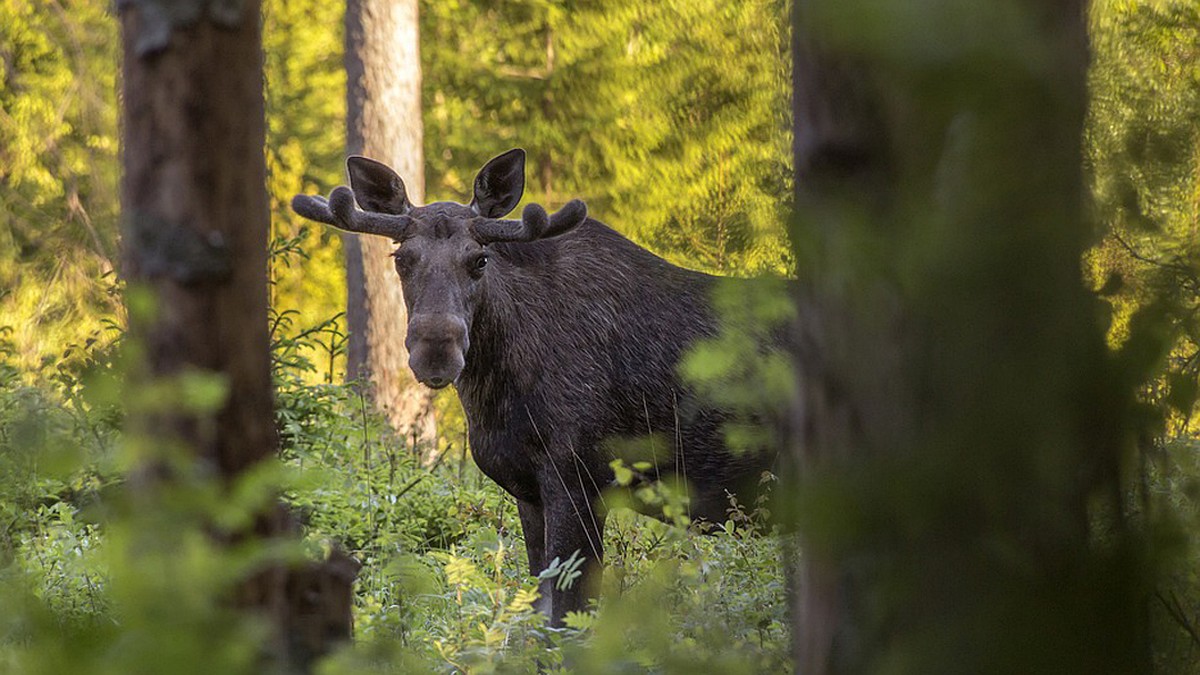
(383,122)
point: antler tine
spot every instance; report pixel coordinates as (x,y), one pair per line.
(313,207)
(487,231)
(571,215)
(340,211)
(534,224)
(350,217)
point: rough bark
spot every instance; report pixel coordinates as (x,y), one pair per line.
(196,218)
(955,396)
(195,240)
(383,122)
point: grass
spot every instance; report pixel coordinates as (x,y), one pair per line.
(93,583)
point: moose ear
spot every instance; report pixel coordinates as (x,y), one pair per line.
(376,187)
(500,184)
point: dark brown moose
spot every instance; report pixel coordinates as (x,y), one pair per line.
(559,335)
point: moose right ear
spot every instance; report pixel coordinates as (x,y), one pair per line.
(376,187)
(500,184)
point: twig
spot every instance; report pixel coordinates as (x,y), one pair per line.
(1174,267)
(1175,610)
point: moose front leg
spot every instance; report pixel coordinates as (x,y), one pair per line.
(533,526)
(574,523)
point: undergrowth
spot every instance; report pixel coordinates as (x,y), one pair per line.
(92,581)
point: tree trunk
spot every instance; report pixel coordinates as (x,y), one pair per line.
(196,218)
(959,430)
(383,122)
(195,241)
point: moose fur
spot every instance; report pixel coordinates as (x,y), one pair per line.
(561,336)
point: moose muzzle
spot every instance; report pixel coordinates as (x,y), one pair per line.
(437,345)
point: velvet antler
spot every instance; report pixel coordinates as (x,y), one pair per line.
(534,224)
(340,211)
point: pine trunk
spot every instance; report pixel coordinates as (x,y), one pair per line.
(383,122)
(196,219)
(195,242)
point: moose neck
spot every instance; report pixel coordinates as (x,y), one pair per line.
(508,323)
(579,293)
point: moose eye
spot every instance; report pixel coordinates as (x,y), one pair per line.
(479,263)
(402,259)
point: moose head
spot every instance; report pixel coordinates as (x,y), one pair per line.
(444,248)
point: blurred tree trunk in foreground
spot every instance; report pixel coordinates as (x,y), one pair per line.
(196,222)
(383,122)
(961,428)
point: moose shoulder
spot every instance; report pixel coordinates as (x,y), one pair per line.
(559,335)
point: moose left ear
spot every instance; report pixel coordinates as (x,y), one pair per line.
(376,187)
(500,184)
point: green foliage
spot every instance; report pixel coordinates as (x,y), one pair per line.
(1173,503)
(669,118)
(1144,156)
(306,108)
(737,370)
(58,174)
(681,602)
(59,166)
(1144,160)
(97,578)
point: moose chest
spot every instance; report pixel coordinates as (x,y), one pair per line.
(503,436)
(506,460)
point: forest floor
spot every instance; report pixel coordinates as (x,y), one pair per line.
(94,579)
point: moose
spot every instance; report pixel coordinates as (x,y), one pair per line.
(559,335)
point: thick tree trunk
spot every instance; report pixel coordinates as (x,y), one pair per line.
(195,241)
(839,148)
(958,423)
(383,122)
(196,219)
